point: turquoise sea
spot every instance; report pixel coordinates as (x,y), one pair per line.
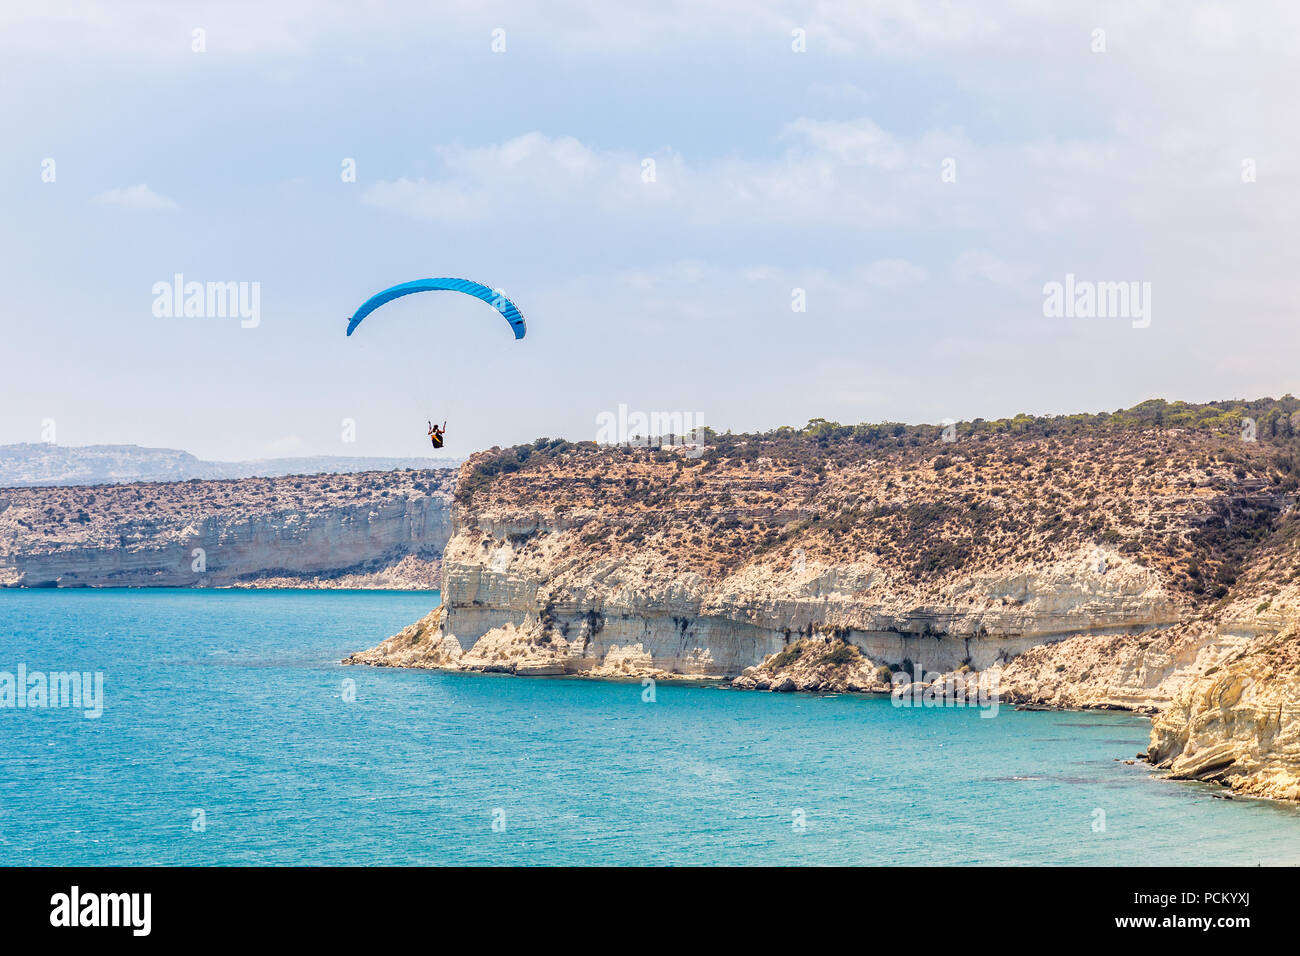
(228,736)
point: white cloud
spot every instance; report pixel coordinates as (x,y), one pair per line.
(857,142)
(842,91)
(850,172)
(486,182)
(136,197)
(892,274)
(981,264)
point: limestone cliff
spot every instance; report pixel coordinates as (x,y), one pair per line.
(369,529)
(1238,723)
(1094,561)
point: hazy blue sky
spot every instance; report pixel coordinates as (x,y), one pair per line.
(775,170)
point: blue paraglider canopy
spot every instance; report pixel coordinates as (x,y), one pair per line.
(491,296)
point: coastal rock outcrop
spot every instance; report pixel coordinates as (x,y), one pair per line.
(826,665)
(1058,565)
(1238,722)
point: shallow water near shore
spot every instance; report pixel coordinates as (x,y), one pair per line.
(229,709)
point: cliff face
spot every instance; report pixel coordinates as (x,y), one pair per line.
(1224,687)
(690,625)
(366,529)
(1077,568)
(925,557)
(1238,723)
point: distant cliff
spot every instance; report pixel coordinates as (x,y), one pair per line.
(369,529)
(1091,560)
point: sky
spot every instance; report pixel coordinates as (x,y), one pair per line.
(757,212)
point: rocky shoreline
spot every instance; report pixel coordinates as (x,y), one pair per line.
(1188,680)
(1183,742)
(906,566)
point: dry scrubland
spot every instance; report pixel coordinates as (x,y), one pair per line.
(1143,559)
(1192,506)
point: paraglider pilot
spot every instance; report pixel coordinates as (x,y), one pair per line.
(436,433)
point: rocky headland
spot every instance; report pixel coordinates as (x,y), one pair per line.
(1144,560)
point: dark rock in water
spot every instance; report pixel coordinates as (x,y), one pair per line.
(786,686)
